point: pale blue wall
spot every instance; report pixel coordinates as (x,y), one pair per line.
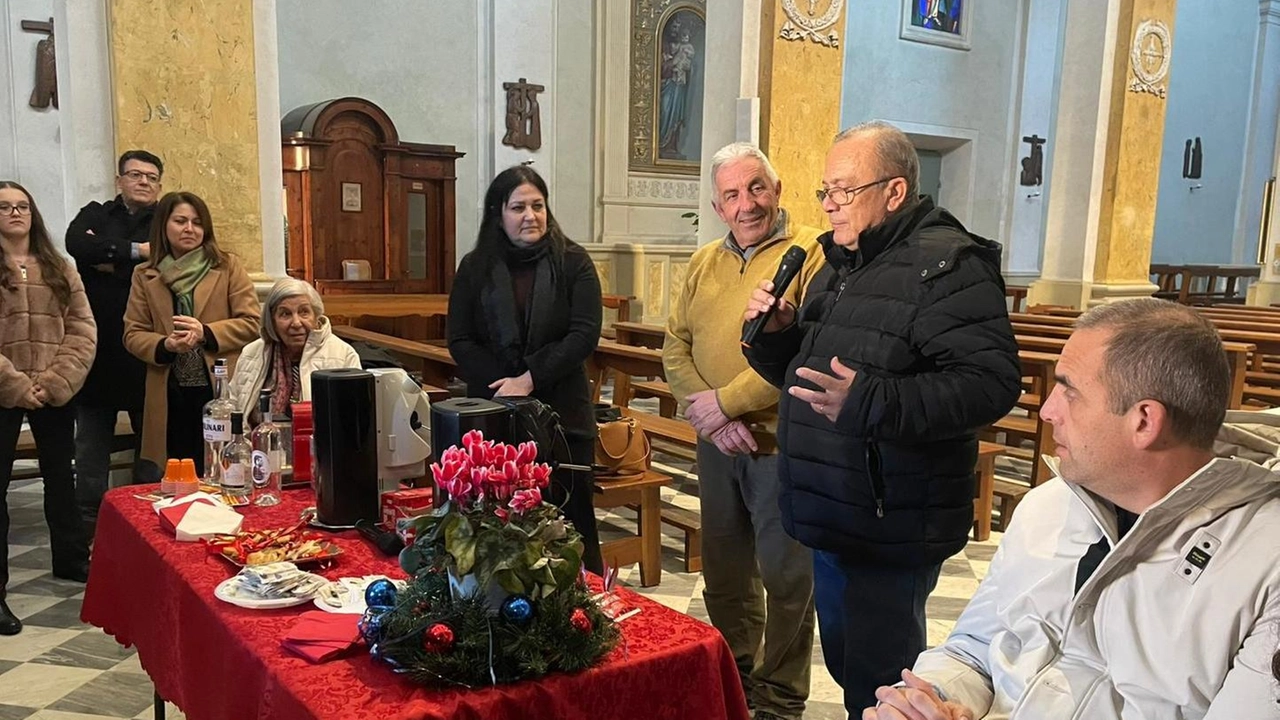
(1210,83)
(897,80)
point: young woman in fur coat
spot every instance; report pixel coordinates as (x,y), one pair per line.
(47,342)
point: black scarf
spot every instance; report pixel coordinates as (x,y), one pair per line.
(498,301)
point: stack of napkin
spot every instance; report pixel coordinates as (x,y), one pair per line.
(274,581)
(198,515)
(319,636)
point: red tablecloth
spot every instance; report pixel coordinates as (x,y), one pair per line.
(218,661)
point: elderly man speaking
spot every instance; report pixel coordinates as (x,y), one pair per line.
(901,351)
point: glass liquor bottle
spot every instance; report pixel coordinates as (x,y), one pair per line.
(268,455)
(237,465)
(217,425)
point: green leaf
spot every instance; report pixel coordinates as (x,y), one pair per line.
(509,581)
(460,542)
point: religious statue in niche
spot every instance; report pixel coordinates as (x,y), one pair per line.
(1193,159)
(680,90)
(524,126)
(45,92)
(1033,164)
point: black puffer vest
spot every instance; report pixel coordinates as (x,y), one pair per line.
(918,311)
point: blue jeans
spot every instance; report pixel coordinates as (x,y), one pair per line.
(95,441)
(870,622)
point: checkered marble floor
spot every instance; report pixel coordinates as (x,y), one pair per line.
(61,669)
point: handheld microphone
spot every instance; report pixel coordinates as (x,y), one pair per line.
(790,266)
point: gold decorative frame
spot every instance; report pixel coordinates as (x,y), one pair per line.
(647,19)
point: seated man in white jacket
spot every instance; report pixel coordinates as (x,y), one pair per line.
(1143,581)
(296,341)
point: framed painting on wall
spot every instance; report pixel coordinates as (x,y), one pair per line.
(937,22)
(668,74)
(351,197)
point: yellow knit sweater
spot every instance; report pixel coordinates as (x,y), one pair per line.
(702,349)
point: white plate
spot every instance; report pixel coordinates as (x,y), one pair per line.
(223,593)
(354,588)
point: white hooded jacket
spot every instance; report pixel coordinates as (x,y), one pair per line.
(323,351)
(1180,619)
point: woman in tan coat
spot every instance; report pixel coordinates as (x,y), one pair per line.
(47,341)
(189,304)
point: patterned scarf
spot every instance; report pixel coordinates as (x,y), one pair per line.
(286,381)
(182,276)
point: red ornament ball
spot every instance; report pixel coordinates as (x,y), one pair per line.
(437,638)
(580,621)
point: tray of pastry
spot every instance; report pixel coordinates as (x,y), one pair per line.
(260,547)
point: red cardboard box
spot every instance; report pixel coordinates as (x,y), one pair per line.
(399,504)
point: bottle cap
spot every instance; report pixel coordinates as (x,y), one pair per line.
(237,423)
(264,401)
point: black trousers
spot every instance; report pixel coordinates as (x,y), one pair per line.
(573,492)
(54,431)
(184,437)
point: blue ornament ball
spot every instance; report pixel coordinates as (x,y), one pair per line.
(380,593)
(517,609)
(371,625)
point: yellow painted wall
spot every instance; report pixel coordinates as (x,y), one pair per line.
(1134,144)
(800,83)
(184,88)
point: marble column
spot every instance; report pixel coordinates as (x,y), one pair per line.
(1106,156)
(1262,134)
(800,81)
(185,85)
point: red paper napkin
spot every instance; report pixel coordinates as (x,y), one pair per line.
(319,636)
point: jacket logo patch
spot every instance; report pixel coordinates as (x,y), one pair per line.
(1197,556)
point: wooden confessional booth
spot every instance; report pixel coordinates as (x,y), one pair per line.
(361,203)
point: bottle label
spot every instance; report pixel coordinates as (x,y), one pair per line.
(216,430)
(262,467)
(233,476)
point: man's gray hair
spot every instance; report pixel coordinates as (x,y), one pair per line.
(739,151)
(284,289)
(1160,350)
(895,154)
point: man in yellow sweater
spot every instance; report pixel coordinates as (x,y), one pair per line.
(734,410)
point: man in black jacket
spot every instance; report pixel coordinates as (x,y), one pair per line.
(901,351)
(107,241)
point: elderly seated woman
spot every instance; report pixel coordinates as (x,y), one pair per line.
(297,340)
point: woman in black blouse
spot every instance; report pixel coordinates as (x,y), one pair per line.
(524,316)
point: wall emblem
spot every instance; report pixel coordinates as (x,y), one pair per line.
(1149,58)
(809,24)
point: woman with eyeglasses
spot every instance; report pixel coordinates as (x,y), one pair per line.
(47,342)
(189,304)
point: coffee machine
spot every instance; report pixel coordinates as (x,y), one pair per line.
(403,421)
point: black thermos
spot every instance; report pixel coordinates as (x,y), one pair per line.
(455,417)
(345,435)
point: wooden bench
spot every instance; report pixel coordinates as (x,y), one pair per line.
(433,361)
(1017,295)
(646,547)
(984,496)
(626,388)
(123,439)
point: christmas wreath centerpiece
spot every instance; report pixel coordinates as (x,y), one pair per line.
(495,591)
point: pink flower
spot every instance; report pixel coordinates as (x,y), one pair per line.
(472,437)
(540,474)
(525,500)
(526,453)
(502,514)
